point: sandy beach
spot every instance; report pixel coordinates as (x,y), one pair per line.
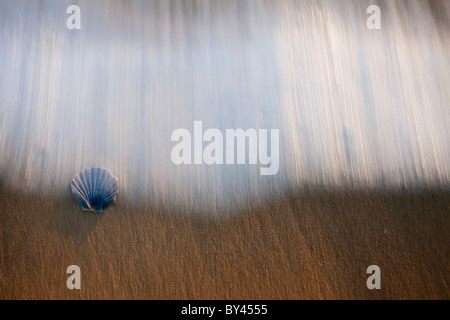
(301,246)
(353,94)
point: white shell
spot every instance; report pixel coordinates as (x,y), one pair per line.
(95,188)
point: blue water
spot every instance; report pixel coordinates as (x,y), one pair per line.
(356,108)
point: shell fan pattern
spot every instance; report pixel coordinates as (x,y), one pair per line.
(95,189)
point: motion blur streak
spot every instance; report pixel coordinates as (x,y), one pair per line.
(356,108)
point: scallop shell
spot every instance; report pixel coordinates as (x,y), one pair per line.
(95,188)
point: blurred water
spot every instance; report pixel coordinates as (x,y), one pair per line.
(356,108)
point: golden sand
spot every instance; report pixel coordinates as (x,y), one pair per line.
(311,246)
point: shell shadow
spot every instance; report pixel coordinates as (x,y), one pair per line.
(70,220)
(95,189)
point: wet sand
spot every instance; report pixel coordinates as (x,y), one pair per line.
(315,245)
